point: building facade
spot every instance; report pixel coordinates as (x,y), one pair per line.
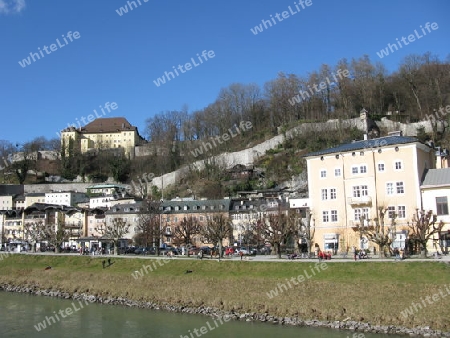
(351,182)
(103,133)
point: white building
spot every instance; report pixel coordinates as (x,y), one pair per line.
(69,198)
(435,190)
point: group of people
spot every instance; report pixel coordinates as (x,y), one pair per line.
(359,254)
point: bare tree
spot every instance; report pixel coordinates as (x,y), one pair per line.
(56,234)
(34,232)
(149,223)
(114,231)
(217,228)
(186,230)
(380,233)
(423,227)
(277,228)
(305,231)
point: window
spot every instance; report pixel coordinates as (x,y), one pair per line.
(398,165)
(354,170)
(323,173)
(400,188)
(357,214)
(442,205)
(324,194)
(333,215)
(389,188)
(380,167)
(360,190)
(337,172)
(365,213)
(325,217)
(401,211)
(364,190)
(356,191)
(332,194)
(391,212)
(363,169)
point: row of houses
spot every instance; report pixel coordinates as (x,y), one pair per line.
(347,185)
(84,213)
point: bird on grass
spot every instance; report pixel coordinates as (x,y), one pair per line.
(48,268)
(189,271)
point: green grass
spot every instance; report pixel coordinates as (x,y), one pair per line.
(373,292)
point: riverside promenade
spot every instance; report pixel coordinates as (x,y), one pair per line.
(257,258)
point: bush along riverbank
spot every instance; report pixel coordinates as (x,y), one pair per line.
(374,297)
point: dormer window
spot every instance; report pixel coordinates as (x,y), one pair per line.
(185,207)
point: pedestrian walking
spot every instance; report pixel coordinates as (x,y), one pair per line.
(354,252)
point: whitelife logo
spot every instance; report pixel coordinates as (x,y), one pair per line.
(319,87)
(124,10)
(63,313)
(53,48)
(285,15)
(281,287)
(411,38)
(222,138)
(187,66)
(108,106)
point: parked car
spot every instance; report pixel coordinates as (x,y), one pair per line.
(229,251)
(139,251)
(246,251)
(170,250)
(193,250)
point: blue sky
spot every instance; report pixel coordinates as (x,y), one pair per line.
(117,58)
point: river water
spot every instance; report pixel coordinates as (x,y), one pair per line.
(24,316)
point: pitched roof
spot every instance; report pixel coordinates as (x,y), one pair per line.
(365,144)
(196,206)
(436,178)
(108,125)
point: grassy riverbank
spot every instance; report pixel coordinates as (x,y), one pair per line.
(375,292)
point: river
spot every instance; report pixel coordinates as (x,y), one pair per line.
(25,315)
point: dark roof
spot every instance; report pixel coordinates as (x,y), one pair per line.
(55,207)
(35,194)
(196,206)
(436,178)
(108,125)
(11,189)
(126,208)
(365,144)
(105,125)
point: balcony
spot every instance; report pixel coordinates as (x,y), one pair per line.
(363,200)
(355,225)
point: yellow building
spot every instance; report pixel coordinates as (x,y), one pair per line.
(356,179)
(103,133)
